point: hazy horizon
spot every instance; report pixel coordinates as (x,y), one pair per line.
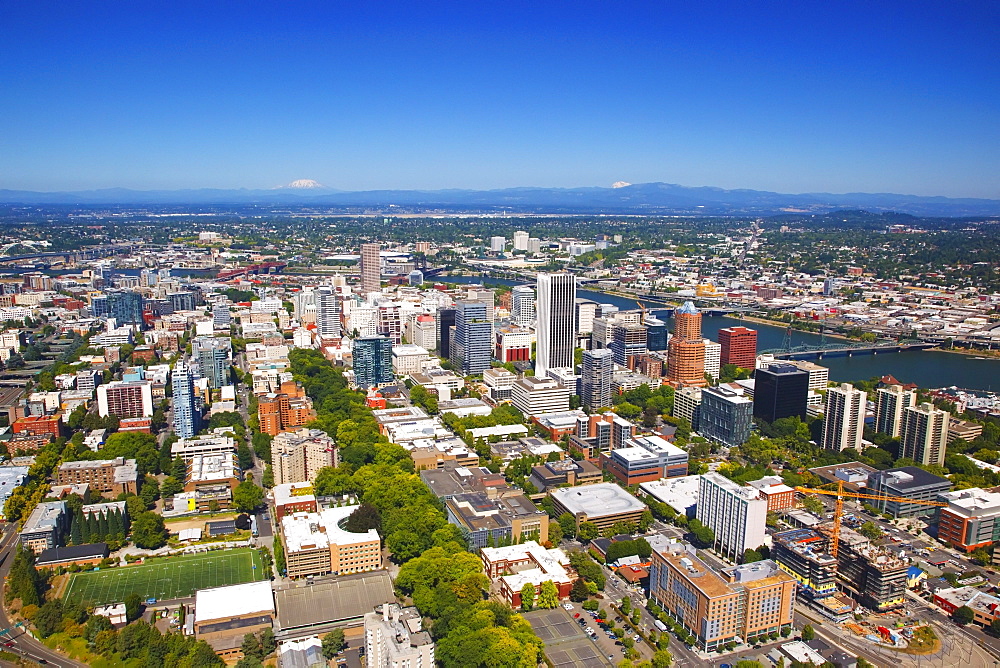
(841,98)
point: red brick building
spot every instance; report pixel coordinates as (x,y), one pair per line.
(38,425)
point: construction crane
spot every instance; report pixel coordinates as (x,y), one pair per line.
(642,310)
(839,506)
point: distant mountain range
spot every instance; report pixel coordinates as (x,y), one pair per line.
(641,198)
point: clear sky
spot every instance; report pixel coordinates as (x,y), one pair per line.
(793,96)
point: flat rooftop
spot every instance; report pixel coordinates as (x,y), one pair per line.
(598,500)
(234,601)
(302,606)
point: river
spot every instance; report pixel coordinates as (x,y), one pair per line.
(926,368)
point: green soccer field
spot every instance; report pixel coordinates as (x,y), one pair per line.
(163,579)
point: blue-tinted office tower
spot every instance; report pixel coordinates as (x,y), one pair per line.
(725,416)
(372,361)
(125,307)
(656,333)
(780,391)
(471,349)
(187,417)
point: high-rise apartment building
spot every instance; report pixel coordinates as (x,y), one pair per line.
(297,456)
(125,307)
(371,268)
(498,244)
(472,343)
(737,514)
(213,355)
(125,399)
(780,391)
(924,434)
(890,402)
(523,305)
(739,346)
(394,639)
(844,420)
(521,240)
(221,317)
(595,384)
(187,417)
(686,350)
(725,416)
(372,364)
(555,327)
(327,313)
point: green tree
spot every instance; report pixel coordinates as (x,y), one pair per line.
(170,486)
(333,642)
(148,531)
(588,531)
(133,607)
(963,615)
(247,496)
(811,503)
(267,641)
(645,520)
(548,595)
(750,556)
(568,524)
(870,530)
(49,617)
(808,633)
(527,596)
(579,592)
(251,647)
(365,517)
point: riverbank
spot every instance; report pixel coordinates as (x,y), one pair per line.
(970,352)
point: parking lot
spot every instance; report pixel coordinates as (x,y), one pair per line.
(566,643)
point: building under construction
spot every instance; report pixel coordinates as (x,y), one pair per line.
(873,576)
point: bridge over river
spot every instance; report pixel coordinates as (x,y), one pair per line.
(843,349)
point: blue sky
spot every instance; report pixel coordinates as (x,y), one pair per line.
(788,96)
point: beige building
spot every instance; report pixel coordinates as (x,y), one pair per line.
(297,456)
(742,603)
(316,545)
(924,434)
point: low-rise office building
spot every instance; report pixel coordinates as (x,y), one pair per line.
(908,482)
(45,527)
(489,519)
(116,476)
(316,545)
(644,459)
(681,494)
(223,615)
(571,472)
(514,566)
(971,519)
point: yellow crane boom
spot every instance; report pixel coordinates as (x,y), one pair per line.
(839,506)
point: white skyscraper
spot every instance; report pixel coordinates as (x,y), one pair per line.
(844,422)
(713,358)
(327,313)
(497,244)
(737,514)
(555,329)
(521,240)
(595,383)
(523,305)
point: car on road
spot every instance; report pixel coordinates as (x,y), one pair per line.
(636,637)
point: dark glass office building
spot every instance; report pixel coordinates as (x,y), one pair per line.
(780,391)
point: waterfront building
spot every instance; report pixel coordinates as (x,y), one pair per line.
(739,346)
